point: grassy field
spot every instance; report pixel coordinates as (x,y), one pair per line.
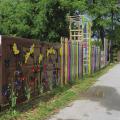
(50,103)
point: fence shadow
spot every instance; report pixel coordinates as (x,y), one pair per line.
(33,103)
(106,96)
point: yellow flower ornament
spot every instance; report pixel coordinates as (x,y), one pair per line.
(29,53)
(27,56)
(15,49)
(50,51)
(40,58)
(32,49)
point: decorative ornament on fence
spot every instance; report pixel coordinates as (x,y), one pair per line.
(13,99)
(36,69)
(32,49)
(50,51)
(15,49)
(29,53)
(40,58)
(5,91)
(27,92)
(27,56)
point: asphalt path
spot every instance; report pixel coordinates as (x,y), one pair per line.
(100,102)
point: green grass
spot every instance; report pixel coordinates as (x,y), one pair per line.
(51,102)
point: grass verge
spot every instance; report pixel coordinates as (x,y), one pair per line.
(44,106)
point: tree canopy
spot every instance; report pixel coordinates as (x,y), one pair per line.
(46,19)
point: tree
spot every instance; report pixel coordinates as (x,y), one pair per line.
(50,23)
(103,12)
(15,18)
(39,19)
(45,20)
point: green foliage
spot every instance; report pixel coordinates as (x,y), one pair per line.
(97,43)
(72,5)
(14,18)
(50,23)
(13,99)
(39,19)
(115,36)
(46,19)
(27,92)
(103,13)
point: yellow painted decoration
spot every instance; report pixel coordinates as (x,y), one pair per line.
(27,56)
(40,58)
(29,53)
(15,49)
(32,49)
(50,51)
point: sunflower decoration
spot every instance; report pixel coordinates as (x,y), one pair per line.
(40,58)
(27,55)
(50,51)
(15,49)
(32,49)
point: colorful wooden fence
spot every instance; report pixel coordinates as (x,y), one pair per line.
(30,68)
(80,59)
(71,61)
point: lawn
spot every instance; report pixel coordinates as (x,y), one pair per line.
(51,102)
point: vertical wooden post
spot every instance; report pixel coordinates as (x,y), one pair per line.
(73,60)
(62,67)
(89,57)
(0,69)
(71,66)
(66,61)
(69,60)
(77,57)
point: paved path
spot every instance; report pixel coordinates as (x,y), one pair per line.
(101,102)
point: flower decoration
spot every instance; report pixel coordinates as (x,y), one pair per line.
(32,49)
(40,58)
(13,98)
(15,49)
(27,92)
(35,69)
(45,83)
(27,56)
(38,68)
(5,91)
(29,53)
(32,80)
(50,51)
(18,73)
(22,78)
(44,68)
(18,84)
(7,63)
